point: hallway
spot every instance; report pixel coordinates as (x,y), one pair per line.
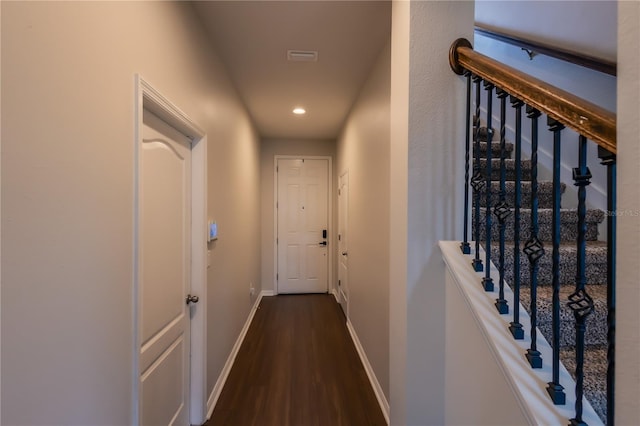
(297,366)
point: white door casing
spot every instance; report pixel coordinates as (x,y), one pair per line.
(302,217)
(169,262)
(343,241)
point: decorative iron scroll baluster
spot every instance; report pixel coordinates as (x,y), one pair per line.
(515,327)
(554,388)
(464,246)
(501,209)
(609,160)
(487,281)
(477,181)
(533,248)
(579,301)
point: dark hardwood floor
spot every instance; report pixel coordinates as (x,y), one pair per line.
(297,367)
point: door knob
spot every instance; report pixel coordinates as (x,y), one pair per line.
(192,299)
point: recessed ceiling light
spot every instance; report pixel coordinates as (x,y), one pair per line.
(299,111)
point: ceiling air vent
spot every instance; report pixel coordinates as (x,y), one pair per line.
(302,55)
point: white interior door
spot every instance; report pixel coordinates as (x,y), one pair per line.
(343,239)
(165,200)
(302,211)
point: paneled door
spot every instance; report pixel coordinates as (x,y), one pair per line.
(302,225)
(165,230)
(343,242)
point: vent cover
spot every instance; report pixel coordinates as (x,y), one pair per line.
(302,55)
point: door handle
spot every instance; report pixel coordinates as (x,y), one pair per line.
(192,299)
(344,253)
(322,243)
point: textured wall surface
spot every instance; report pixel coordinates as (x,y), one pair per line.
(68,96)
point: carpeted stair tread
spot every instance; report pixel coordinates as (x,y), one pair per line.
(509,166)
(495,149)
(596,261)
(545,193)
(568,225)
(595,375)
(596,333)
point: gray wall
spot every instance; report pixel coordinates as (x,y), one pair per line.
(425,203)
(628,270)
(363,151)
(68,113)
(271,148)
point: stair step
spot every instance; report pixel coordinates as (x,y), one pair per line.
(597,328)
(595,375)
(495,149)
(596,261)
(482,133)
(510,168)
(545,193)
(568,225)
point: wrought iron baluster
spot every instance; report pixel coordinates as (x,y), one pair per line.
(554,388)
(477,181)
(487,281)
(464,246)
(580,301)
(515,327)
(609,160)
(534,248)
(502,210)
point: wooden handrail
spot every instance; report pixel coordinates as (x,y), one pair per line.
(584,117)
(577,58)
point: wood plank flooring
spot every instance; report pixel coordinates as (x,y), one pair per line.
(297,367)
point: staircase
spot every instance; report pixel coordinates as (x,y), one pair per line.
(596,265)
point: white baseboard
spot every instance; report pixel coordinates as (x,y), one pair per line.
(335,294)
(222,379)
(377,389)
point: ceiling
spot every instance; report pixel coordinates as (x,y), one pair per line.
(252,39)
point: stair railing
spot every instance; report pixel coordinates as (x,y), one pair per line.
(562,110)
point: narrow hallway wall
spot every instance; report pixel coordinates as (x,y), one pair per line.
(363,151)
(68,100)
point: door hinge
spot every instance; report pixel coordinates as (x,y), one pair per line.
(339,237)
(277,169)
(339,192)
(277,277)
(277,240)
(339,283)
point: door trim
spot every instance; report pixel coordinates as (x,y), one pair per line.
(148,97)
(330,195)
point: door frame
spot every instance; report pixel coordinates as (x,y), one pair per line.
(147,97)
(330,194)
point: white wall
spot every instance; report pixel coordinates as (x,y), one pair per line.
(628,268)
(426,180)
(584,26)
(363,151)
(67,198)
(271,148)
